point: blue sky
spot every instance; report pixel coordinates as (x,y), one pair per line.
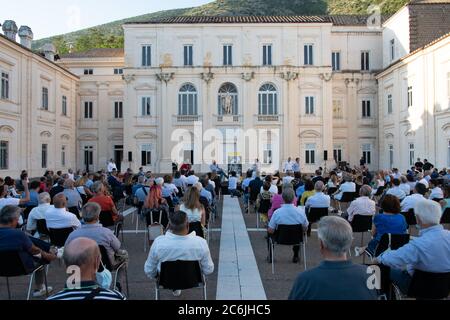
(52,17)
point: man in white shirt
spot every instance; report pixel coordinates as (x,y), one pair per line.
(422,180)
(58,217)
(111,166)
(410,201)
(273,188)
(178,245)
(347,186)
(396,190)
(436,192)
(396,174)
(289,177)
(288,165)
(39,213)
(192,179)
(319,199)
(404,186)
(363,205)
(9,201)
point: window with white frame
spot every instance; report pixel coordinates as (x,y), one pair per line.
(410,96)
(146,55)
(44,155)
(227,55)
(5,86)
(118,110)
(337,153)
(392,49)
(63,156)
(390,105)
(336,61)
(88,109)
(44,105)
(309,105)
(365,63)
(412,156)
(268,104)
(118,71)
(308,54)
(4,153)
(391,156)
(338,112)
(64,106)
(310,153)
(267,55)
(188,51)
(366,110)
(146,155)
(187,100)
(146,106)
(267,154)
(367,153)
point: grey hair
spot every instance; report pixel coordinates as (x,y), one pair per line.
(288,186)
(69,184)
(428,211)
(44,197)
(319,186)
(365,191)
(177,221)
(258,174)
(403,179)
(97,186)
(141,179)
(91,212)
(8,214)
(288,195)
(336,235)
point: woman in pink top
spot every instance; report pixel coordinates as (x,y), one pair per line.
(277,200)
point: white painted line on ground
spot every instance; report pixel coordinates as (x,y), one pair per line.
(239,277)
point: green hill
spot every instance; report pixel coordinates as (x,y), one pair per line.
(110,35)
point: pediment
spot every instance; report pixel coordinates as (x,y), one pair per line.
(309,134)
(446,128)
(6,129)
(145,86)
(65,137)
(145,135)
(87,92)
(389,136)
(309,85)
(115,137)
(116,93)
(88,137)
(367,90)
(46,134)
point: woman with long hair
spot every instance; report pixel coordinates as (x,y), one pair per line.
(192,206)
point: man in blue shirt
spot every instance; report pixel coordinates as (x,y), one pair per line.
(430,252)
(34,195)
(289,215)
(336,278)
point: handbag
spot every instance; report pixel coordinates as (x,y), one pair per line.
(155,229)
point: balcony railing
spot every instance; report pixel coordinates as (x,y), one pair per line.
(188,118)
(228,118)
(268,118)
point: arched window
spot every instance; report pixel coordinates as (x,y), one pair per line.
(268,100)
(187,100)
(228,100)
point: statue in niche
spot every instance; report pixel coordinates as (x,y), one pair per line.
(227,104)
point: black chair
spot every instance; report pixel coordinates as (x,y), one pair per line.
(287,235)
(347,197)
(198,228)
(13,266)
(75,211)
(58,237)
(106,261)
(331,191)
(26,212)
(429,286)
(41,227)
(106,219)
(410,217)
(314,215)
(446,216)
(391,241)
(180,275)
(362,224)
(264,207)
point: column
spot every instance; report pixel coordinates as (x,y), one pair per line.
(103,111)
(327,116)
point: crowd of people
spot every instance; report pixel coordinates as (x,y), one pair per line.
(91,205)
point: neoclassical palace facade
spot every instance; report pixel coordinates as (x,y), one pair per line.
(321,88)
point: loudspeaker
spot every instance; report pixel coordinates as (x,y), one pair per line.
(130,156)
(325,155)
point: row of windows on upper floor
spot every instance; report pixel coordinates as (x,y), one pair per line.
(116,71)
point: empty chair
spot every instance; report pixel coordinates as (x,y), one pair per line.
(58,237)
(198,228)
(180,275)
(392,242)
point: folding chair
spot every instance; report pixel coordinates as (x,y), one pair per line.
(347,197)
(106,219)
(410,218)
(288,235)
(115,271)
(41,227)
(426,286)
(180,275)
(264,207)
(314,215)
(58,237)
(362,224)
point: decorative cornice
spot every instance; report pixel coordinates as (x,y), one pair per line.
(145,135)
(289,75)
(165,76)
(350,82)
(207,77)
(326,76)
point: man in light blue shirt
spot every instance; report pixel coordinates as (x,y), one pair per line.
(430,252)
(296,165)
(289,215)
(319,199)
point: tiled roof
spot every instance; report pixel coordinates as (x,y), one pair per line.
(236,19)
(95,53)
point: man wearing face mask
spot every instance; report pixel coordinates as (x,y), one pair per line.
(84,254)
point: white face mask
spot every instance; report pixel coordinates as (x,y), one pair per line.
(104,278)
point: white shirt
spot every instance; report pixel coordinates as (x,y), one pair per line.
(171,247)
(212,183)
(405,188)
(9,202)
(273,189)
(232,183)
(191,180)
(436,193)
(111,166)
(397,192)
(410,201)
(193,215)
(287,166)
(37,213)
(71,176)
(362,206)
(345,187)
(287,179)
(318,200)
(170,188)
(424,182)
(60,219)
(397,175)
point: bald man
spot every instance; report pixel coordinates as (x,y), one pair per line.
(83,256)
(58,217)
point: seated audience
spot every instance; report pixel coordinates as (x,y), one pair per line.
(192,206)
(277,200)
(74,201)
(396,190)
(309,192)
(436,192)
(347,186)
(105,202)
(319,199)
(362,205)
(7,199)
(39,213)
(404,185)
(410,201)
(58,217)
(233,185)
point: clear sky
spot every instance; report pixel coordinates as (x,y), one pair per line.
(52,17)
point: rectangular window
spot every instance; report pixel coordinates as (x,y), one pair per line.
(392,49)
(63,156)
(88,71)
(267,55)
(310,154)
(4,149)
(146,56)
(309,105)
(412,156)
(227,55)
(146,110)
(146,155)
(88,156)
(410,96)
(366,112)
(5,86)
(336,61)
(188,55)
(308,54)
(118,71)
(118,110)
(337,153)
(44,155)
(391,156)
(389,104)
(44,98)
(367,153)
(64,106)
(365,65)
(267,156)
(88,109)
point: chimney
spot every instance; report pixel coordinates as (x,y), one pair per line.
(49,51)
(26,36)
(10,29)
